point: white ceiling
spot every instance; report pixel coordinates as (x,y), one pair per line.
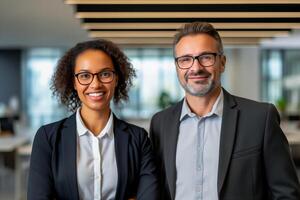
(42,23)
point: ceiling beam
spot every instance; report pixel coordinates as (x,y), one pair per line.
(182,2)
(178,25)
(169,41)
(157,34)
(188,8)
(156,21)
(188,15)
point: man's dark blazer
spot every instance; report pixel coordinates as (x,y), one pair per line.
(53,172)
(254,155)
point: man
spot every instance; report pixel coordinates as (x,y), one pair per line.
(213,145)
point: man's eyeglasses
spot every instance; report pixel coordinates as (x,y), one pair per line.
(205,60)
(86,78)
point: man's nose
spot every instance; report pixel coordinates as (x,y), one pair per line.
(196,65)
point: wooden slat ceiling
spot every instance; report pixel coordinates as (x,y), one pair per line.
(154,22)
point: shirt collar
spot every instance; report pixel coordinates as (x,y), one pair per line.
(82,129)
(109,127)
(217,108)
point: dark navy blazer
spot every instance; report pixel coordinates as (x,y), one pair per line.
(254,156)
(53,173)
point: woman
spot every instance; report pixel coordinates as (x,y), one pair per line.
(92,154)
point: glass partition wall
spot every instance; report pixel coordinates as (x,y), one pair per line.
(280,75)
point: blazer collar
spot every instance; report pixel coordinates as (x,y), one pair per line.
(121,148)
(228,133)
(171,131)
(69,148)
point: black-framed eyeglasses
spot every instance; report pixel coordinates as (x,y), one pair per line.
(205,60)
(86,78)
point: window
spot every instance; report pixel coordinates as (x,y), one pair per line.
(272,68)
(156,74)
(40,106)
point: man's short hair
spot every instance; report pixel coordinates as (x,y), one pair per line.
(195,28)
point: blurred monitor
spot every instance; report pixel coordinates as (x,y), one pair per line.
(293,117)
(7,124)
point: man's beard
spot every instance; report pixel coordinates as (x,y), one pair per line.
(206,86)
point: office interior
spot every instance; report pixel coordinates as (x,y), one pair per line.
(261,41)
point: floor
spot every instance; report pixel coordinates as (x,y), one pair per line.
(7,185)
(7,181)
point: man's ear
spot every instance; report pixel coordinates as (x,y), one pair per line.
(223,62)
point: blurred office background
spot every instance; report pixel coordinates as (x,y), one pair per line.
(261,39)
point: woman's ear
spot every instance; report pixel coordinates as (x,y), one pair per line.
(117,81)
(74,85)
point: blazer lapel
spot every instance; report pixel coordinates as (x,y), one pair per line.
(69,159)
(121,148)
(228,132)
(171,131)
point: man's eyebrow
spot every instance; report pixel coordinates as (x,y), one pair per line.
(202,53)
(184,55)
(207,52)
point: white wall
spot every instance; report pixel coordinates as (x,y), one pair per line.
(242,73)
(39,23)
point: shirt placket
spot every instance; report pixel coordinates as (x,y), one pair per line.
(97,168)
(199,156)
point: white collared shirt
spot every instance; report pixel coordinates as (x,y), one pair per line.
(197,154)
(97,174)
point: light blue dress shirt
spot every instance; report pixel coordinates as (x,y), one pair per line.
(96,162)
(197,154)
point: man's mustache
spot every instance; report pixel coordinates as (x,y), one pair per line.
(198,73)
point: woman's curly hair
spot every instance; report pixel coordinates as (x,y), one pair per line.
(62,82)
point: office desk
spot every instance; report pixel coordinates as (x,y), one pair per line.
(11,144)
(293,138)
(292,133)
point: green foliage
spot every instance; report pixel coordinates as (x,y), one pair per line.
(281,104)
(164,100)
